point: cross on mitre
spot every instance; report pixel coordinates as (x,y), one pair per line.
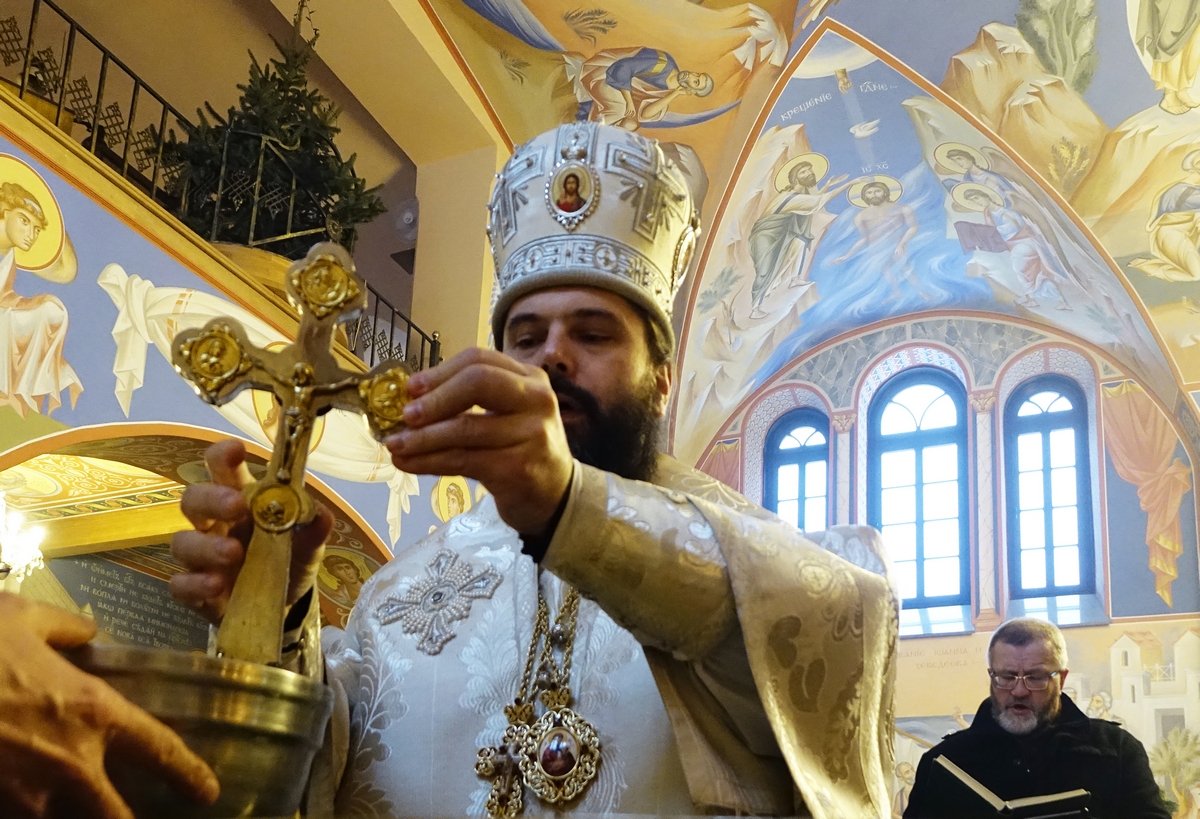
(307,381)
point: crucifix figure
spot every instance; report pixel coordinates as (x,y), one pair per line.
(307,381)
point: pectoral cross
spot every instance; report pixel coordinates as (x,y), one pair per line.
(306,379)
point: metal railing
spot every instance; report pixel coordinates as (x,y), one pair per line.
(267,208)
(54,66)
(375,337)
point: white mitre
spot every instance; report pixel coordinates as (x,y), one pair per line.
(629,227)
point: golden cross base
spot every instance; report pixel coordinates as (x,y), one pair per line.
(305,378)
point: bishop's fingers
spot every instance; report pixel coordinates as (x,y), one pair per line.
(226,462)
(495,389)
(213,508)
(426,380)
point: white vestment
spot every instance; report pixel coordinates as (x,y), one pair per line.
(674,661)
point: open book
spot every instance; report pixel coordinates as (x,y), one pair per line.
(1049,806)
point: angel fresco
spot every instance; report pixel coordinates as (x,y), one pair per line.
(957,163)
(963,163)
(340,579)
(1175,229)
(451,496)
(1032,259)
(782,239)
(33,330)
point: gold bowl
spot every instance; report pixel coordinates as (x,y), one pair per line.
(257,727)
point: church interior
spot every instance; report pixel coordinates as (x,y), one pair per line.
(947,285)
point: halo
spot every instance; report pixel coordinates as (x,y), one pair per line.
(943,161)
(439,499)
(820,168)
(359,560)
(856,189)
(49,245)
(959,193)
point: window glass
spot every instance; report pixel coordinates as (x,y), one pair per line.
(917,443)
(1048,492)
(796,469)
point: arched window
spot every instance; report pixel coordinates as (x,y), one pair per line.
(1048,489)
(796,469)
(917,484)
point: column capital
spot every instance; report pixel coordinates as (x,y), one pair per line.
(983,400)
(843,422)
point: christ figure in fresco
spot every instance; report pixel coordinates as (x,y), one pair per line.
(631,86)
(34,329)
(885,227)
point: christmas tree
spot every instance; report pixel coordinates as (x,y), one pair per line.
(288,128)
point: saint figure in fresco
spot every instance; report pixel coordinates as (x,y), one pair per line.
(885,227)
(1175,229)
(781,241)
(1100,707)
(33,329)
(631,86)
(1032,258)
(906,777)
(1166,34)
(451,496)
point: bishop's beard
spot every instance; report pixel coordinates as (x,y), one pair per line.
(622,439)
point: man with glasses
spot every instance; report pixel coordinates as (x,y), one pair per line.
(1030,739)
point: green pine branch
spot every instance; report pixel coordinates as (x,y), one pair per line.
(301,124)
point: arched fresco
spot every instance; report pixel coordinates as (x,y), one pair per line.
(902,203)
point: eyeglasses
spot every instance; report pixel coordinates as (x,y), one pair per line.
(1037,681)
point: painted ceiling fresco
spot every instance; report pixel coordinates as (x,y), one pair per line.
(866,159)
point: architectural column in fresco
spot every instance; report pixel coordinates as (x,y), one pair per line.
(982,403)
(843,424)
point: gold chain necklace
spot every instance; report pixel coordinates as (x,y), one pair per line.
(556,755)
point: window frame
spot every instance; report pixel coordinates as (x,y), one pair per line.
(1014,426)
(774,457)
(878,444)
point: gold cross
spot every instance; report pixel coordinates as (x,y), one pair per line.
(307,381)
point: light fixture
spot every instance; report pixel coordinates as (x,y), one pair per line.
(20,546)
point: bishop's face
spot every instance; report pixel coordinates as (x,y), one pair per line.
(592,344)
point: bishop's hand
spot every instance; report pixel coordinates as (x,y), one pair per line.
(516,447)
(213,552)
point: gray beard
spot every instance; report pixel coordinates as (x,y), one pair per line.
(1019,725)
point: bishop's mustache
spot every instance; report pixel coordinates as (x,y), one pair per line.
(572,396)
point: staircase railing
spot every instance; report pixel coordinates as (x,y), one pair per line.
(54,67)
